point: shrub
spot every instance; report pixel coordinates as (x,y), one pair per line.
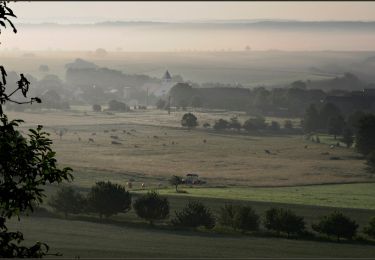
(67,201)
(106,198)
(284,220)
(221,124)
(337,225)
(195,214)
(255,124)
(189,120)
(206,125)
(234,124)
(239,217)
(370,158)
(96,108)
(151,207)
(370,229)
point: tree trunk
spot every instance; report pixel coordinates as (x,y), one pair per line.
(176,188)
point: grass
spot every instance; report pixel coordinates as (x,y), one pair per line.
(360,195)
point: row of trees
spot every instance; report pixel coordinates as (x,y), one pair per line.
(189,120)
(108,199)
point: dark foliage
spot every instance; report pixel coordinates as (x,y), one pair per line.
(96,108)
(189,120)
(365,137)
(151,207)
(284,220)
(175,181)
(106,198)
(337,225)
(195,214)
(67,201)
(221,124)
(370,229)
(239,217)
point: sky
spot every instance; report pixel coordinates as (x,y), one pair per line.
(90,12)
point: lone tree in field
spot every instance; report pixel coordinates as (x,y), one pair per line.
(365,137)
(175,181)
(189,120)
(195,214)
(106,198)
(337,225)
(336,125)
(284,220)
(67,201)
(96,108)
(221,124)
(151,207)
(27,164)
(347,137)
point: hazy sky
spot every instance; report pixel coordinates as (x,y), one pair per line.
(87,12)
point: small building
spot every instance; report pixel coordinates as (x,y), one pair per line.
(192,178)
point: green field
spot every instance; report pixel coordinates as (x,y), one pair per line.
(339,195)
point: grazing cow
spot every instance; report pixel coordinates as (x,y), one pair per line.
(113,130)
(267,151)
(136,146)
(156,137)
(91,140)
(124,131)
(164,145)
(93,133)
(143,185)
(114,142)
(204,141)
(172,142)
(79,139)
(114,137)
(306,146)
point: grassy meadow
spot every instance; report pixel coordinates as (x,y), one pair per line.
(309,178)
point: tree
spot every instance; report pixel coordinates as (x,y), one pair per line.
(353,120)
(365,137)
(151,207)
(27,164)
(327,112)
(370,229)
(175,181)
(336,125)
(221,124)
(235,124)
(311,119)
(284,220)
(257,123)
(370,158)
(106,198)
(194,214)
(67,201)
(189,120)
(337,225)
(161,104)
(96,108)
(347,137)
(246,219)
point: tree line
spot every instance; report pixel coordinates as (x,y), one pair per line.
(107,199)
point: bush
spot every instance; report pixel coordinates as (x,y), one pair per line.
(106,198)
(254,124)
(151,207)
(239,217)
(284,220)
(370,158)
(221,124)
(206,125)
(67,201)
(234,124)
(195,214)
(189,120)
(336,225)
(370,229)
(96,108)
